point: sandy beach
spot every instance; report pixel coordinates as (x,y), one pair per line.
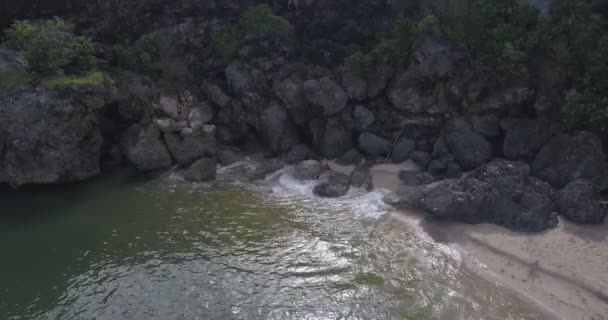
(564,271)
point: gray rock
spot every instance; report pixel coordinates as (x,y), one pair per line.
(580,202)
(433,58)
(216,94)
(201,170)
(405,96)
(377,79)
(354,85)
(325,93)
(506,176)
(525,138)
(363,118)
(135,96)
(168,125)
(171,106)
(333,136)
(187,148)
(567,158)
(402,150)
(504,100)
(437,168)
(291,92)
(298,153)
(374,145)
(49,140)
(361,177)
(239,79)
(227,157)
(308,170)
(272,165)
(334,185)
(201,114)
(488,126)
(469,148)
(453,171)
(144,149)
(421,158)
(278,130)
(415,178)
(351,157)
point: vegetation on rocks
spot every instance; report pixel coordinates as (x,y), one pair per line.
(51,47)
(93,78)
(10,78)
(260,21)
(138,56)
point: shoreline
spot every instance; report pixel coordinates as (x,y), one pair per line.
(562,272)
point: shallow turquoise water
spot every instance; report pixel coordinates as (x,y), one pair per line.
(126,248)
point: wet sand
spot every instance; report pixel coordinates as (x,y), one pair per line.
(564,271)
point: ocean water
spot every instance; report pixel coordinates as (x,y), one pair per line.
(130,247)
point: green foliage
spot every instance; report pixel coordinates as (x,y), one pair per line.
(226,43)
(511,64)
(430,25)
(396,46)
(93,78)
(10,78)
(51,47)
(261,22)
(586,111)
(358,62)
(139,56)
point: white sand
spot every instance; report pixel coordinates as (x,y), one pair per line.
(563,271)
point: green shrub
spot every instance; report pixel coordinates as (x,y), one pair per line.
(226,43)
(358,62)
(260,21)
(92,78)
(429,25)
(395,47)
(51,47)
(586,111)
(139,56)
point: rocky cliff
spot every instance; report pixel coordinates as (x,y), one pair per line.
(284,92)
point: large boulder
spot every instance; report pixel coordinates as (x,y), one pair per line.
(298,153)
(435,59)
(49,140)
(278,130)
(405,94)
(402,150)
(144,148)
(333,185)
(361,177)
(354,85)
(508,177)
(136,96)
(374,145)
(215,94)
(240,79)
(308,170)
(325,93)
(333,136)
(504,100)
(187,147)
(469,148)
(498,192)
(570,157)
(580,202)
(363,118)
(291,91)
(525,137)
(201,170)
